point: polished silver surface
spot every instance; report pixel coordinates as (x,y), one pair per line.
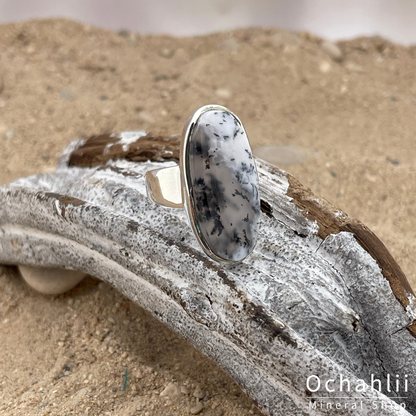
(164,186)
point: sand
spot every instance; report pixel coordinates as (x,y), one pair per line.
(341,121)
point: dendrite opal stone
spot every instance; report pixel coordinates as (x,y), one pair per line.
(223,185)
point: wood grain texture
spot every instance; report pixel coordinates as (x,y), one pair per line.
(319,295)
(99,149)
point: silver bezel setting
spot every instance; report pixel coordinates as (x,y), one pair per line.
(186,190)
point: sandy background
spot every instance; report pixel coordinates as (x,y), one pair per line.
(344,125)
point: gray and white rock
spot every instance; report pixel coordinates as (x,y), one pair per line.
(223,184)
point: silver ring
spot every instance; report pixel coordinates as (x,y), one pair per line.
(216,182)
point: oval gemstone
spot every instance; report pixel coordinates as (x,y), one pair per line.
(223,185)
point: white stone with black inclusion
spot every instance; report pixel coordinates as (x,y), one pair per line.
(223,184)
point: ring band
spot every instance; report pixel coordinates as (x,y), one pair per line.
(216,182)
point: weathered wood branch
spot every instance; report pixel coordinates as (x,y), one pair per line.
(320,295)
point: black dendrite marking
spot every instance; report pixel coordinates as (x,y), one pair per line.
(254,191)
(247,168)
(236,237)
(201,198)
(201,146)
(200,182)
(198,148)
(210,199)
(241,178)
(246,240)
(218,227)
(239,193)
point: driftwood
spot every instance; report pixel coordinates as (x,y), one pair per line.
(320,295)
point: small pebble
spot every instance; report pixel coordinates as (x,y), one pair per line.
(184,390)
(215,404)
(171,390)
(223,93)
(148,370)
(9,134)
(394,162)
(333,51)
(167,53)
(195,410)
(199,394)
(324,67)
(220,412)
(138,374)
